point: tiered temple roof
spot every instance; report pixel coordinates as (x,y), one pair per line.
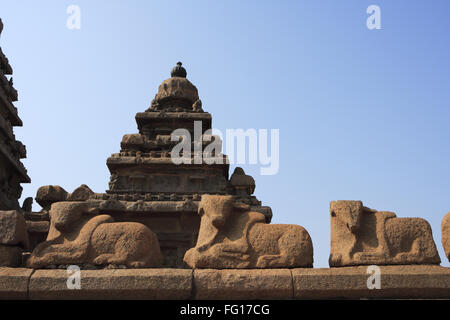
(12,171)
(144,164)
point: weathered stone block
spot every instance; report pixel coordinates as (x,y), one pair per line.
(396,282)
(38,227)
(13,229)
(14,283)
(113,284)
(10,256)
(243,284)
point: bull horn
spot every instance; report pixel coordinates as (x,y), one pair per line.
(242,206)
(93,210)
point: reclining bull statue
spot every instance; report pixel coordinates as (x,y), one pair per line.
(232,236)
(79,236)
(362,236)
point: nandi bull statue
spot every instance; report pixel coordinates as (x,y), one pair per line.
(232,236)
(78,235)
(362,236)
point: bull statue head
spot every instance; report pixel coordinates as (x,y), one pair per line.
(348,212)
(64,214)
(216,208)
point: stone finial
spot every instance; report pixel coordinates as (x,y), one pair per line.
(254,243)
(362,236)
(176,93)
(178,71)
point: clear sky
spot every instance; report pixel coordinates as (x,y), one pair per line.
(363,114)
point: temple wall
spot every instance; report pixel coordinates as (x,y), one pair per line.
(397,282)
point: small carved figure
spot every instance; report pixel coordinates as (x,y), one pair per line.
(197,106)
(242,183)
(362,236)
(113,181)
(154,106)
(78,236)
(82,193)
(232,236)
(27,204)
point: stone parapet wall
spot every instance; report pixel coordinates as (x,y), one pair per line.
(397,282)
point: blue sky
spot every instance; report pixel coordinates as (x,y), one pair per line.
(363,114)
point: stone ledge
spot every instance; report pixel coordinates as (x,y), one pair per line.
(14,283)
(243,284)
(113,284)
(397,282)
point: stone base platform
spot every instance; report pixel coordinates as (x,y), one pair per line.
(397,282)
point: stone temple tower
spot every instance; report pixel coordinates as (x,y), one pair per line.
(144,164)
(149,187)
(164,194)
(12,171)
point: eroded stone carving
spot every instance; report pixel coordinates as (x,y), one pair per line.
(231,236)
(197,106)
(242,183)
(362,236)
(13,238)
(78,236)
(82,193)
(46,195)
(13,228)
(445,234)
